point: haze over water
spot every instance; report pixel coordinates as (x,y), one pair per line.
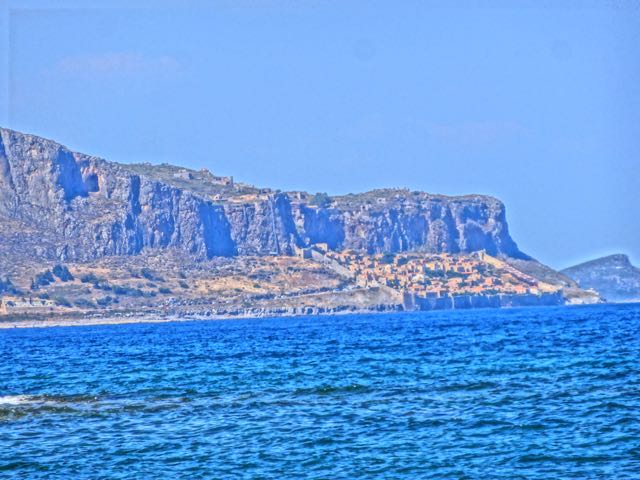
(521,393)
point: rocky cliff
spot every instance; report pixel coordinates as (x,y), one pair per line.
(614,277)
(80,207)
(399,220)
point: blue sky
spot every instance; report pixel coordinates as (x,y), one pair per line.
(539,106)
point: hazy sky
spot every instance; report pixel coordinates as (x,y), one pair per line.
(539,106)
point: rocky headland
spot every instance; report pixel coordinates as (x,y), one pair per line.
(59,207)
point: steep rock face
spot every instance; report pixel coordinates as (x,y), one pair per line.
(264,227)
(97,208)
(614,277)
(89,207)
(426,223)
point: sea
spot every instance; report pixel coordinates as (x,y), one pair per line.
(535,393)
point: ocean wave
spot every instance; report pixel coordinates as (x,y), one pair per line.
(158,402)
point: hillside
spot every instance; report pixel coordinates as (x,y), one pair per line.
(614,277)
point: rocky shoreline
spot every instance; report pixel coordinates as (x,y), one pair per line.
(87,320)
(70,320)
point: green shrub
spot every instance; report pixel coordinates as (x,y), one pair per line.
(130,291)
(106,301)
(150,275)
(320,199)
(62,273)
(83,303)
(62,302)
(42,280)
(7,287)
(90,278)
(102,285)
(388,258)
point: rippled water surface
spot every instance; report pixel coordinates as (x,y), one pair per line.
(525,393)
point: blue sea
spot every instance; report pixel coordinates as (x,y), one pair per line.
(540,393)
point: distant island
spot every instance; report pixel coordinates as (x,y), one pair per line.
(88,239)
(613,276)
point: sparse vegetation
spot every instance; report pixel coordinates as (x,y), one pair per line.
(218,284)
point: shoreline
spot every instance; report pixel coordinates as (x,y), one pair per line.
(69,321)
(66,321)
(82,321)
